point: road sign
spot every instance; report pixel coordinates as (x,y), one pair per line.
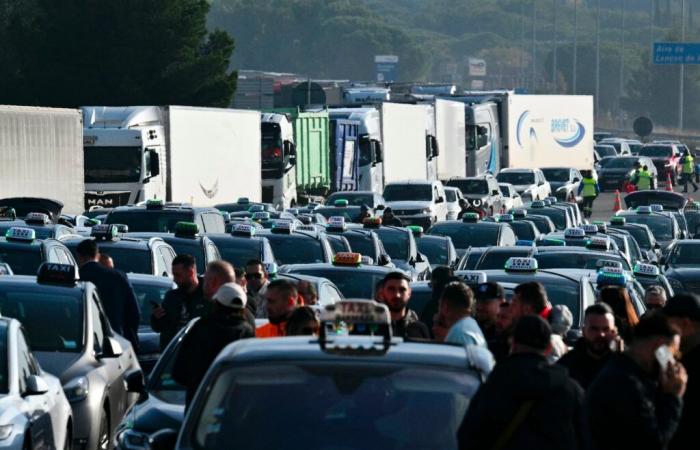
(676,52)
(643,126)
(385,67)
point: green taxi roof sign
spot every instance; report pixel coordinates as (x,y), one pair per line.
(341,202)
(186,229)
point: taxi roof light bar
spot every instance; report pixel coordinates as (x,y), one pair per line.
(104,232)
(575,233)
(52,273)
(617,220)
(537,204)
(611,276)
(520,264)
(507,218)
(372,222)
(646,270)
(20,234)
(256,208)
(470,217)
(243,229)
(186,230)
(590,228)
(336,223)
(355,317)
(261,215)
(243,200)
(472,276)
(37,218)
(656,207)
(347,259)
(283,227)
(644,210)
(417,230)
(154,204)
(341,202)
(598,243)
(519,213)
(601,263)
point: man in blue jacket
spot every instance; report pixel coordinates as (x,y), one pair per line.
(116,294)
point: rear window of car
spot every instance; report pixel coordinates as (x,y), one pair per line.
(290,249)
(465,235)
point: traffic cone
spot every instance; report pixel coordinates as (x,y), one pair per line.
(618,201)
(669,185)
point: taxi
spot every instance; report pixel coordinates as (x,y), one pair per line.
(242,245)
(348,272)
(472,232)
(483,258)
(662,225)
(400,245)
(651,250)
(293,246)
(523,229)
(24,253)
(130,255)
(342,208)
(439,250)
(650,275)
(391,381)
(681,265)
(186,240)
(155,216)
(577,237)
(41,223)
(361,240)
(616,276)
(71,338)
(561,216)
(543,223)
(571,257)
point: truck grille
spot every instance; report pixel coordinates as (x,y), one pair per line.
(106,199)
(406,212)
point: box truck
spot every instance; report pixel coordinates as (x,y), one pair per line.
(183,154)
(403,142)
(449,124)
(41,155)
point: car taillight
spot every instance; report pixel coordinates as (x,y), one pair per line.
(272,153)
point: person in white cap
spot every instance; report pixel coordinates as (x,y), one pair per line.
(209,335)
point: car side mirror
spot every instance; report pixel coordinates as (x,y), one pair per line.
(163,440)
(541,183)
(495,192)
(420,258)
(113,349)
(577,179)
(36,386)
(384,260)
(657,246)
(440,200)
(135,381)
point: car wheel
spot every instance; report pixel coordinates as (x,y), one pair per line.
(103,438)
(68,442)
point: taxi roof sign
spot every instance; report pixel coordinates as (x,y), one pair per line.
(470,217)
(20,234)
(617,220)
(608,263)
(336,223)
(37,218)
(575,233)
(524,243)
(519,264)
(519,213)
(341,202)
(186,229)
(547,202)
(105,232)
(656,207)
(417,230)
(52,273)
(646,270)
(550,242)
(611,276)
(506,218)
(256,208)
(602,226)
(537,204)
(283,226)
(356,317)
(261,215)
(347,259)
(552,199)
(307,228)
(243,200)
(472,276)
(154,204)
(590,228)
(598,243)
(243,229)
(643,209)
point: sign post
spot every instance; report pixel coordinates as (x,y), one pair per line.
(385,68)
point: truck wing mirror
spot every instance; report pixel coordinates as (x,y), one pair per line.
(377,152)
(154,163)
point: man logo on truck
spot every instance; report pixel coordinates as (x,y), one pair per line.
(210,193)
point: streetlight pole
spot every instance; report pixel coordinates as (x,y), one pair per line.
(681,83)
(554,59)
(622,61)
(534,46)
(575,44)
(597,58)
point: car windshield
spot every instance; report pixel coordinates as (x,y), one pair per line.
(4,373)
(684,255)
(384,401)
(635,148)
(656,151)
(129,259)
(621,163)
(22,260)
(338,244)
(352,198)
(543,224)
(505,190)
(516,178)
(661,226)
(641,236)
(351,214)
(470,187)
(147,294)
(497,260)
(161,382)
(113,164)
(153,221)
(465,235)
(451,195)
(408,192)
(575,260)
(356,284)
(52,317)
(524,230)
(560,175)
(238,251)
(289,249)
(558,216)
(361,243)
(190,247)
(435,250)
(395,242)
(603,151)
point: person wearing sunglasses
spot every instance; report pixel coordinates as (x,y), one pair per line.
(654,298)
(256,285)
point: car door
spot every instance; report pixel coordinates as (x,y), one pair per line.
(37,406)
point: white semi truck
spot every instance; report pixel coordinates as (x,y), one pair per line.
(41,155)
(202,156)
(450,129)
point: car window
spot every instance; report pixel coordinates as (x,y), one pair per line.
(143,221)
(396,242)
(582,260)
(525,230)
(239,251)
(212,252)
(24,363)
(329,294)
(213,222)
(497,260)
(465,235)
(356,284)
(507,236)
(130,259)
(435,249)
(98,327)
(52,255)
(296,249)
(451,195)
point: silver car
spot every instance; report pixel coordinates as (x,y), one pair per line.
(72,339)
(34,411)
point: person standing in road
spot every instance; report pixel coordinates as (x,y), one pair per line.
(116,293)
(643,180)
(489,296)
(396,294)
(389,219)
(216,275)
(526,403)
(589,190)
(688,170)
(654,298)
(281,299)
(634,402)
(618,299)
(591,351)
(209,335)
(182,304)
(456,305)
(683,311)
(256,285)
(463,208)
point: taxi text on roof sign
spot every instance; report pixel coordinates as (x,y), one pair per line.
(283,226)
(336,222)
(37,217)
(472,276)
(256,208)
(647,270)
(347,259)
(243,229)
(154,204)
(574,233)
(261,215)
(103,231)
(356,311)
(506,218)
(611,276)
(657,208)
(518,264)
(590,228)
(57,273)
(608,263)
(20,234)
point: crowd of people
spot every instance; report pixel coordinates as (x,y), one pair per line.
(627,382)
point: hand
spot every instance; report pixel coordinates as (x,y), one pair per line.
(158,312)
(674,379)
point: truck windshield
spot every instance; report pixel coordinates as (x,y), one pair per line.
(656,151)
(113,164)
(271,141)
(408,192)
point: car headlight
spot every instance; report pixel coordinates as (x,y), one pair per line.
(132,440)
(676,284)
(426,211)
(5,431)
(76,389)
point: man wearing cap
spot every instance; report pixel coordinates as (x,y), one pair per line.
(209,335)
(654,298)
(396,293)
(526,403)
(489,296)
(388,218)
(683,310)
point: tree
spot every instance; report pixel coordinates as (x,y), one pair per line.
(81,52)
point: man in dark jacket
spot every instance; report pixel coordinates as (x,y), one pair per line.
(396,293)
(389,219)
(634,403)
(683,311)
(526,403)
(209,335)
(179,305)
(591,351)
(116,293)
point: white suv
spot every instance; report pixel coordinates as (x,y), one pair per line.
(417,202)
(529,183)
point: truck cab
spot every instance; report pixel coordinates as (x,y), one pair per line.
(278,153)
(124,155)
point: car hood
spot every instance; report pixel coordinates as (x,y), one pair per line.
(154,414)
(524,187)
(57,363)
(410,204)
(683,273)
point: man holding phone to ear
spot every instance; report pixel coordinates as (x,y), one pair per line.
(636,400)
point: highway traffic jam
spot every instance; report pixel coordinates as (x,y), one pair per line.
(415,271)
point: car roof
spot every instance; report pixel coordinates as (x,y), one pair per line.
(125,242)
(411,181)
(318,266)
(30,280)
(542,274)
(155,280)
